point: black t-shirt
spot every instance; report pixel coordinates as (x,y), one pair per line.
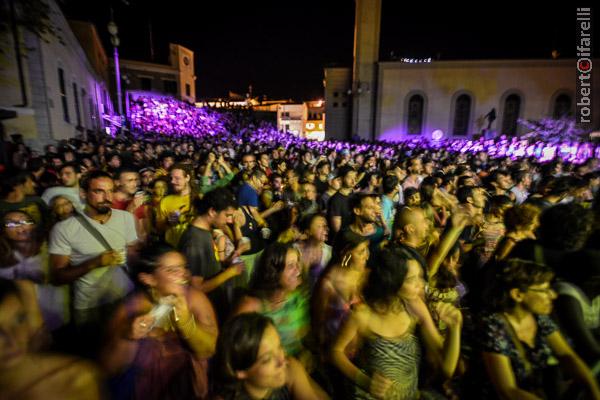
(197,246)
(321,185)
(339,206)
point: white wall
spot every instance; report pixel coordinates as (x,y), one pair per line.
(293,121)
(488,82)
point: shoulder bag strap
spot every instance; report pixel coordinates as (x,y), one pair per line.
(93,231)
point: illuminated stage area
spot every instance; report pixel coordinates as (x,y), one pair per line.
(546,140)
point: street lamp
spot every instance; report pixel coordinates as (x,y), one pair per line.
(114,39)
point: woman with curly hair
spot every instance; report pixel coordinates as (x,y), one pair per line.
(275,292)
(519,341)
(521,222)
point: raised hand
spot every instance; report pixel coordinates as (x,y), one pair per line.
(141,326)
(449,314)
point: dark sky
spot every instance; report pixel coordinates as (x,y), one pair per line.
(281,47)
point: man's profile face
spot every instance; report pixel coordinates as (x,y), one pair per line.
(368,210)
(129,182)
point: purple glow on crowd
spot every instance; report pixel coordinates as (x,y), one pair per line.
(548,139)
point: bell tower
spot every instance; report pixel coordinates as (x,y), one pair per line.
(367,26)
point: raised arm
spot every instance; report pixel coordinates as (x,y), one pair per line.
(458,221)
(445,353)
(197,323)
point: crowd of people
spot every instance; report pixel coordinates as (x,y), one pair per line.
(246,265)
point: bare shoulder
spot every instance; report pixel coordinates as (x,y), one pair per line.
(361,315)
(196,297)
(69,376)
(248,304)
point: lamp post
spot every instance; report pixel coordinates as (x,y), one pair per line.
(114,39)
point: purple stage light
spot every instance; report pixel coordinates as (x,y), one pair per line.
(153,115)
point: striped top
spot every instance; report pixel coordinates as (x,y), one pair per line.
(396,359)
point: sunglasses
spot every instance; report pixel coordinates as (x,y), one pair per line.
(16,224)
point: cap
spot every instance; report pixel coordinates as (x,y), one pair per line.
(147,169)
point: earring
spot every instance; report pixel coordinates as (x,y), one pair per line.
(346,260)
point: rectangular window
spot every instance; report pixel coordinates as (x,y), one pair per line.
(84,109)
(93,114)
(63,94)
(76,98)
(188,89)
(146,84)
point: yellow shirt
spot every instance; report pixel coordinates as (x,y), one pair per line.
(168,205)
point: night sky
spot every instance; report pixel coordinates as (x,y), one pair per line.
(281,48)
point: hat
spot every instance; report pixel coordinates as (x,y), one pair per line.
(331,177)
(147,169)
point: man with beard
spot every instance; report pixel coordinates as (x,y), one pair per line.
(175,210)
(91,250)
(128,197)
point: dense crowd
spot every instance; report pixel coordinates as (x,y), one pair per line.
(247,264)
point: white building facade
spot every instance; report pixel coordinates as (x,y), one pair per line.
(290,118)
(61,96)
(457,97)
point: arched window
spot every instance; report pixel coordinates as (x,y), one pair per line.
(462,115)
(562,106)
(512,108)
(415,114)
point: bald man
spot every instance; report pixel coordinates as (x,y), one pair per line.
(411,231)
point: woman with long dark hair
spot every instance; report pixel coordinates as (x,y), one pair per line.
(387,363)
(275,292)
(250,363)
